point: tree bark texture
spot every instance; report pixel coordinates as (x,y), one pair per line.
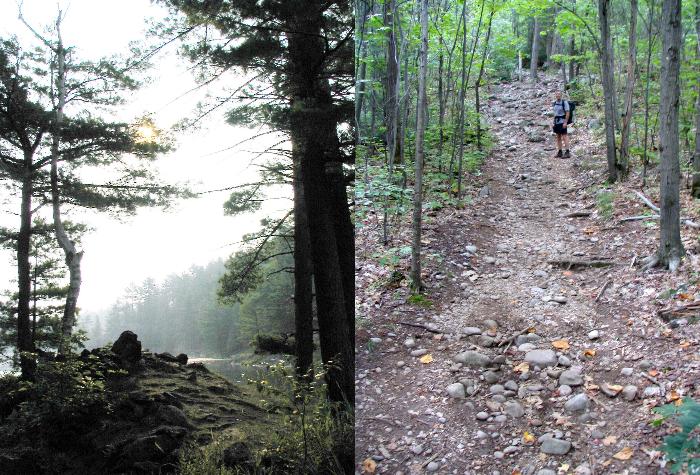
(608,80)
(670,246)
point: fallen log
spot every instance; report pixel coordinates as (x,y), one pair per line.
(688,310)
(578,214)
(571,263)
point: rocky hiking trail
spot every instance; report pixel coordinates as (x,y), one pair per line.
(539,349)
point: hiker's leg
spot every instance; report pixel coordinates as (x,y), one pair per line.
(558,141)
(566,141)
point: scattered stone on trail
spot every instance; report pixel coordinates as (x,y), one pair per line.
(497,389)
(525,347)
(433,467)
(409,343)
(627,371)
(560,299)
(514,409)
(577,403)
(593,335)
(456,391)
(128,347)
(564,361)
(541,358)
(552,446)
(565,390)
(571,377)
(419,352)
(629,392)
(491,377)
(473,358)
(485,341)
(527,338)
(375,340)
(492,324)
(471,249)
(608,390)
(645,365)
(511,385)
(469,331)
(651,391)
(482,416)
(546,471)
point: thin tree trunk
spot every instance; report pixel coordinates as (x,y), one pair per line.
(465,86)
(441,106)
(478,80)
(608,80)
(650,26)
(391,105)
(535,49)
(25,347)
(73,257)
(629,91)
(416,283)
(670,246)
(696,155)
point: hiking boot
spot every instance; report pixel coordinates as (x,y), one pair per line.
(567,154)
(559,155)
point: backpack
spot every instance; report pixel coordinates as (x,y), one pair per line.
(572,108)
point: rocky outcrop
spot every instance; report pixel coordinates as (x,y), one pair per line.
(128,348)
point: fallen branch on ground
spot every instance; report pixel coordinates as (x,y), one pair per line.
(647,201)
(578,214)
(418,325)
(570,263)
(668,313)
(602,291)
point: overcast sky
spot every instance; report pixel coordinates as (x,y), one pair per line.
(153,243)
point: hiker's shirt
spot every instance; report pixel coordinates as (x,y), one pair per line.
(560,110)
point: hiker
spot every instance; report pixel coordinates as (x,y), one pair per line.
(561,121)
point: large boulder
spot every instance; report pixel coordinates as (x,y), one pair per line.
(128,348)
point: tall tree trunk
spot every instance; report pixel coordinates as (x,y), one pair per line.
(73,257)
(629,91)
(534,55)
(696,155)
(441,105)
(608,80)
(360,74)
(572,63)
(465,86)
(391,101)
(416,283)
(670,247)
(25,346)
(650,26)
(303,292)
(314,135)
(478,79)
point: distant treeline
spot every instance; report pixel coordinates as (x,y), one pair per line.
(182,313)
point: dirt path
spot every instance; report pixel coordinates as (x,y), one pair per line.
(502,417)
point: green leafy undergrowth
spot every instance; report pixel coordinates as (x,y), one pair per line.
(682,448)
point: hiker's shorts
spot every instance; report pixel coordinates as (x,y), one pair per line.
(559,129)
